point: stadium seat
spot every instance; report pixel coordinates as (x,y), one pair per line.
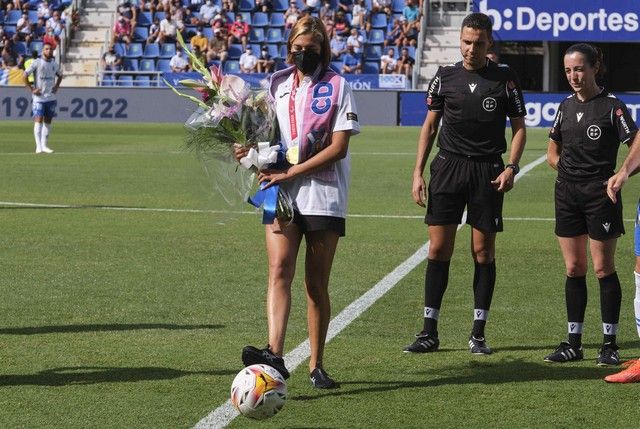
(36,45)
(134,50)
(379,20)
(140,34)
(397,5)
(121,49)
(130,64)
(33,17)
(167,50)
(274,35)
(231,66)
(256,35)
(280,5)
(376,37)
(281,65)
(151,50)
(142,81)
(144,19)
(234,51)
(371,67)
(160,15)
(147,65)
(9,30)
(12,17)
(207,32)
(107,80)
(246,5)
(21,48)
(163,65)
(1,17)
(373,52)
(273,50)
(336,66)
(260,19)
(125,80)
(283,51)
(276,20)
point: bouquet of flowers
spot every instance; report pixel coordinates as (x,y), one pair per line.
(230,113)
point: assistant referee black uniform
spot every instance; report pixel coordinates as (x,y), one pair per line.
(474,106)
(590,133)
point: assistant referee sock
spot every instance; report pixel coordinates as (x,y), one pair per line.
(610,300)
(484,281)
(575,290)
(436,280)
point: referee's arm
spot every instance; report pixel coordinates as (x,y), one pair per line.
(425,143)
(504,182)
(630,167)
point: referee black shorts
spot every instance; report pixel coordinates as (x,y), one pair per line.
(585,208)
(458,181)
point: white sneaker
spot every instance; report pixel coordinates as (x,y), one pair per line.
(47,150)
(38,150)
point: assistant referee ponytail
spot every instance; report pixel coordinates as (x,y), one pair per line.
(593,55)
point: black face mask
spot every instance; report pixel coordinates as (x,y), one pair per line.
(306,61)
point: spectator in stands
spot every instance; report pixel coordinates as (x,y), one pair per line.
(39,29)
(239,32)
(50,38)
(405,63)
(27,63)
(266,63)
(312,5)
(291,15)
(199,55)
(154,31)
(168,29)
(219,22)
(388,62)
(126,9)
(10,56)
(345,5)
(178,62)
(411,13)
(352,62)
(122,31)
(23,29)
(151,6)
(189,18)
(56,23)
(217,49)
(111,60)
(195,5)
(248,61)
(395,35)
(328,25)
(338,47)
(360,16)
(265,6)
(327,10)
(6,6)
(208,11)
(382,6)
(43,10)
(230,6)
(356,41)
(409,33)
(340,26)
(200,41)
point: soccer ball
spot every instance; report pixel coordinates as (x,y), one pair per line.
(258,391)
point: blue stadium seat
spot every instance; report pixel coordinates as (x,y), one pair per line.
(207,32)
(274,35)
(125,80)
(231,66)
(371,67)
(281,65)
(273,50)
(234,51)
(336,66)
(283,51)
(397,5)
(12,17)
(376,37)
(167,50)
(21,48)
(144,19)
(160,15)
(276,20)
(9,30)
(142,81)
(379,20)
(256,48)
(213,63)
(107,80)
(140,34)
(246,5)
(147,65)
(280,5)
(36,45)
(163,65)
(256,35)
(1,17)
(151,50)
(260,19)
(33,17)
(134,50)
(373,52)
(130,64)
(121,49)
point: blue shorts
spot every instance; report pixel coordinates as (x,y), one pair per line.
(636,240)
(45,109)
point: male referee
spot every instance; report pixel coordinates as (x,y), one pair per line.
(473,98)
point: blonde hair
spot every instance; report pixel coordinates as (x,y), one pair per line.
(314,26)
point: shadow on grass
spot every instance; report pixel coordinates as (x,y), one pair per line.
(61,329)
(82,375)
(489,373)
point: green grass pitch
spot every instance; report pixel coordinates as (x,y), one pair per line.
(135,319)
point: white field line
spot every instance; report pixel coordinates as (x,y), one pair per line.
(224,414)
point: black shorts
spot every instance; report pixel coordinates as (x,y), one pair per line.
(585,208)
(311,223)
(458,181)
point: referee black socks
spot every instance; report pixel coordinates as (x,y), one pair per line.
(484,281)
(575,289)
(435,284)
(610,299)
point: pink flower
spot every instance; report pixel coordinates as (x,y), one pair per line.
(216,75)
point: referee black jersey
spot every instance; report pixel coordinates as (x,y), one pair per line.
(590,133)
(475,105)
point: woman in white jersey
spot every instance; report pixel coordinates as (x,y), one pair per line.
(316,115)
(47,78)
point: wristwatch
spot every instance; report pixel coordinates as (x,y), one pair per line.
(514,167)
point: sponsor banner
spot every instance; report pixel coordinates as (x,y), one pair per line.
(541,108)
(392,81)
(586,20)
